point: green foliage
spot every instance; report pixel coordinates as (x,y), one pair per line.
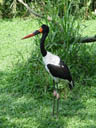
(5,8)
(12,8)
(80,8)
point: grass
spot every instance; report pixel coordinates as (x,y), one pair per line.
(89,28)
(24,102)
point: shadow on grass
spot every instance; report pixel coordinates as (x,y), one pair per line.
(20,108)
(23,102)
(89,126)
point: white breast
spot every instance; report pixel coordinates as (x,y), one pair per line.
(51,59)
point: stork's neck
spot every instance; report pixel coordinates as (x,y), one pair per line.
(42,47)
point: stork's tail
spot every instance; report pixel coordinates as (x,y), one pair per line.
(71,84)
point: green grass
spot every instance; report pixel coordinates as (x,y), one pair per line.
(89,28)
(24,103)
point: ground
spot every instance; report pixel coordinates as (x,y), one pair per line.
(20,104)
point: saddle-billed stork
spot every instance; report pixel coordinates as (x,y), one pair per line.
(53,64)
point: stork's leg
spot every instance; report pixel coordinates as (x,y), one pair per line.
(58,97)
(54,94)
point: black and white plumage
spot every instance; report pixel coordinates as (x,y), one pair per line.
(53,64)
(56,67)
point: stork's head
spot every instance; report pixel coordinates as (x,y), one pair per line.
(43,29)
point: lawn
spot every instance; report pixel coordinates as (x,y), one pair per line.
(23,101)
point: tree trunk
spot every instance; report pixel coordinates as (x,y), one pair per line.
(82,40)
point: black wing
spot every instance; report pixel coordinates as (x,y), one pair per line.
(60,71)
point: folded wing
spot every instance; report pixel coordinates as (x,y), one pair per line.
(61,71)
